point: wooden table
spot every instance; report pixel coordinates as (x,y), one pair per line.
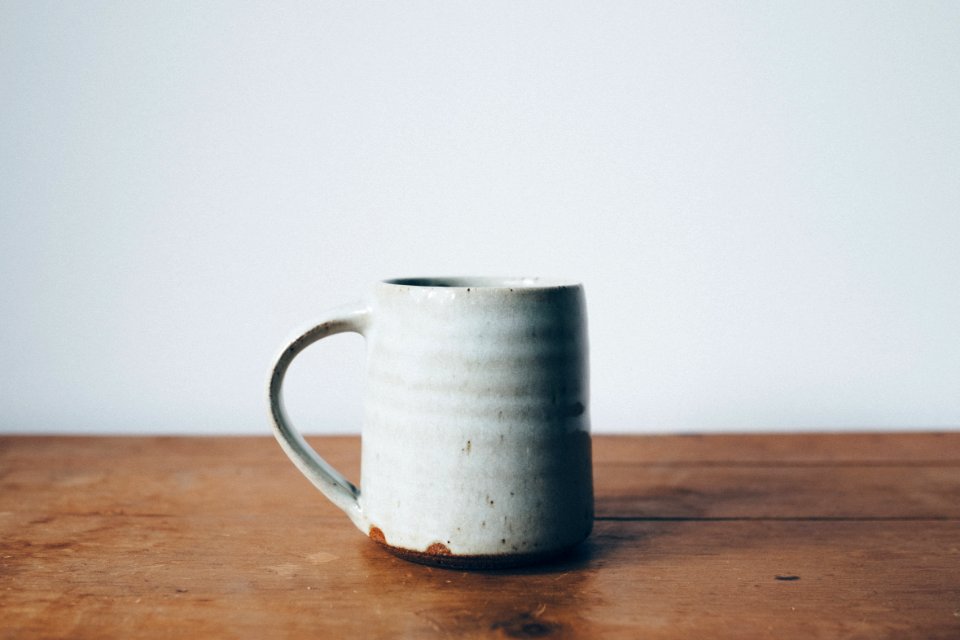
(786,536)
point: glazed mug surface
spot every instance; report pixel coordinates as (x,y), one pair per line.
(476,438)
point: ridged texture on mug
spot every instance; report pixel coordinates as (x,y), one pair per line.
(476,431)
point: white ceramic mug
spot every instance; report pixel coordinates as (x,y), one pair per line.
(475,441)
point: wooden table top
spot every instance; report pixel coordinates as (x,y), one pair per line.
(781,536)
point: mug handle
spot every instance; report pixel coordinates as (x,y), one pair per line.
(330,482)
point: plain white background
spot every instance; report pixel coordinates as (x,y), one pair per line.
(762,199)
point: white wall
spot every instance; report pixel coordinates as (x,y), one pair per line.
(762,199)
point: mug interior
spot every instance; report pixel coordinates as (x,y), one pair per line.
(471,282)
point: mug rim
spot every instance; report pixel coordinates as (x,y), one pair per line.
(483,282)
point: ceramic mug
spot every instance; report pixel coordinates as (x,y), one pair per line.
(475,439)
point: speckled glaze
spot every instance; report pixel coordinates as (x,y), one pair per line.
(476,445)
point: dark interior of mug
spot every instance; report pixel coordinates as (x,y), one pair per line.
(480,282)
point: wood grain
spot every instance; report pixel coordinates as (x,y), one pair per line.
(854,536)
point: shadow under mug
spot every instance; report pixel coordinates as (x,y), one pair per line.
(475,438)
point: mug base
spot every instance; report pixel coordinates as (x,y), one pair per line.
(441,557)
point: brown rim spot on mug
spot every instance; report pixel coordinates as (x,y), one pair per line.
(376,534)
(476,562)
(439,555)
(438,549)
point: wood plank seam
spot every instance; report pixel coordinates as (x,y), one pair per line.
(776,519)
